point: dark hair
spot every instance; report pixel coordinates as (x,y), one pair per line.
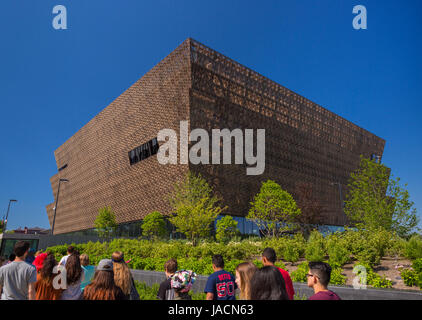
(12,257)
(270,254)
(268,284)
(70,250)
(218,261)
(322,270)
(171,266)
(73,269)
(20,248)
(103,287)
(47,267)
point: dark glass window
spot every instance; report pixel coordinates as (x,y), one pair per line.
(143,151)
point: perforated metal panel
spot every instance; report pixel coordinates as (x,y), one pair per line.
(304,141)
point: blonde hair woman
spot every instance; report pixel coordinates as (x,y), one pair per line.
(244,274)
(123,277)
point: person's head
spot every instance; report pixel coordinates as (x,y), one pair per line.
(182,281)
(217,262)
(268,284)
(73,269)
(269,257)
(12,257)
(21,249)
(38,253)
(84,259)
(102,286)
(39,261)
(244,274)
(319,274)
(70,250)
(122,276)
(170,267)
(47,267)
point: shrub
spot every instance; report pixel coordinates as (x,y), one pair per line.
(417,265)
(413,249)
(315,250)
(226,229)
(299,275)
(154,225)
(337,252)
(146,292)
(410,277)
(280,264)
(337,278)
(373,279)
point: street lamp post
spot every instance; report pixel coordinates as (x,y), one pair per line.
(7,214)
(341,195)
(57,201)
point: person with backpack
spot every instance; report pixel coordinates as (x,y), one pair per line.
(182,282)
(166,292)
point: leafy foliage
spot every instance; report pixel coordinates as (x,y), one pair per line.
(226,229)
(413,249)
(299,275)
(105,223)
(154,225)
(273,209)
(337,278)
(315,249)
(195,207)
(375,200)
(374,279)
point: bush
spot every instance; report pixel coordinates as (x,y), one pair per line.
(315,250)
(299,275)
(337,251)
(373,279)
(226,229)
(337,278)
(413,249)
(410,277)
(417,265)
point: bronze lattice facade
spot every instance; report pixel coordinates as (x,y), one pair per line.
(304,142)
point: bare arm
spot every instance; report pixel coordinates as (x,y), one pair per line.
(210,296)
(31,291)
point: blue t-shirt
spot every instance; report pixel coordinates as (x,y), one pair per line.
(222,284)
(89,272)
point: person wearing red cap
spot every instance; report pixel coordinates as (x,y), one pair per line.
(44,289)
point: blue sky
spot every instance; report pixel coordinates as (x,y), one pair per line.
(52,82)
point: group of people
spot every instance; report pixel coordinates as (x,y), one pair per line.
(266,283)
(72,278)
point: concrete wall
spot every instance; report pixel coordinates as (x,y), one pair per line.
(346,293)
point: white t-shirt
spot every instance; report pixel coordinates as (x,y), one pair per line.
(63,260)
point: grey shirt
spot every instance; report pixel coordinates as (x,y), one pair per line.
(15,279)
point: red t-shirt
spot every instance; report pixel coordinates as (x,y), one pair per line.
(289,283)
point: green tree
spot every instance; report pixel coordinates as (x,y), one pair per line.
(105,223)
(374,200)
(154,225)
(273,209)
(1,226)
(195,207)
(226,229)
